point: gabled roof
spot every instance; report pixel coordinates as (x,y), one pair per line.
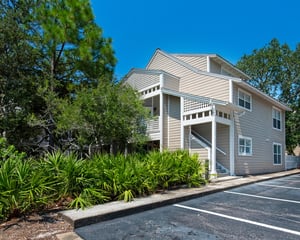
(239,81)
(223,62)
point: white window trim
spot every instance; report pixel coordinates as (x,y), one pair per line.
(245,154)
(245,92)
(277,109)
(279,144)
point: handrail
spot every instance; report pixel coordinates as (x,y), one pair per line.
(208,143)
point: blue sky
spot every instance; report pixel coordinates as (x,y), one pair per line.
(230,28)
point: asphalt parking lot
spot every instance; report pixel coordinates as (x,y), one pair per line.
(264,210)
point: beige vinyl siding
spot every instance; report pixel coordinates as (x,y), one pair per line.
(140,81)
(204,130)
(165,121)
(196,148)
(206,86)
(199,62)
(257,124)
(174,123)
(192,82)
(171,82)
(223,143)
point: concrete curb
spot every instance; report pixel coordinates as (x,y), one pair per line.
(111,210)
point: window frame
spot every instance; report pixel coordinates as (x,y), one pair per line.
(244,153)
(243,99)
(277,154)
(274,110)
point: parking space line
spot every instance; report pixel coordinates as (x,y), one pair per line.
(278,186)
(240,219)
(285,180)
(257,196)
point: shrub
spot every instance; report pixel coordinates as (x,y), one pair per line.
(27,184)
(22,185)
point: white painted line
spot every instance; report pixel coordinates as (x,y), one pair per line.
(270,185)
(240,219)
(257,196)
(285,180)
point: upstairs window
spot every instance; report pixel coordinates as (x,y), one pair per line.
(245,146)
(245,100)
(276,116)
(277,153)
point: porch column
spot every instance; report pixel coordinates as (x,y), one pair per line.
(231,146)
(213,141)
(161,113)
(181,123)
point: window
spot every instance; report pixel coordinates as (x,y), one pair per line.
(245,146)
(245,99)
(277,153)
(276,116)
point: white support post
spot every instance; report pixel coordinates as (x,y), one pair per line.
(181,123)
(161,113)
(213,141)
(231,146)
(230,91)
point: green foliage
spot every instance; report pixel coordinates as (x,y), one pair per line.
(28,185)
(110,114)
(275,70)
(63,51)
(22,184)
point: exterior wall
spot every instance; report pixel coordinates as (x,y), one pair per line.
(174,123)
(196,148)
(214,67)
(223,143)
(140,81)
(171,82)
(204,130)
(192,82)
(165,122)
(199,62)
(257,124)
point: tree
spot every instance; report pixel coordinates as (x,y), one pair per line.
(18,75)
(275,70)
(110,114)
(75,55)
(63,50)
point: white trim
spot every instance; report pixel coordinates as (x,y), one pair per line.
(230,91)
(197,121)
(246,138)
(247,93)
(277,109)
(190,144)
(151,86)
(208,64)
(281,158)
(213,141)
(168,121)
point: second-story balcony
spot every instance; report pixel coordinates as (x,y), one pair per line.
(153,129)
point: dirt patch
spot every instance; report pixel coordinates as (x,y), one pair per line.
(35,226)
